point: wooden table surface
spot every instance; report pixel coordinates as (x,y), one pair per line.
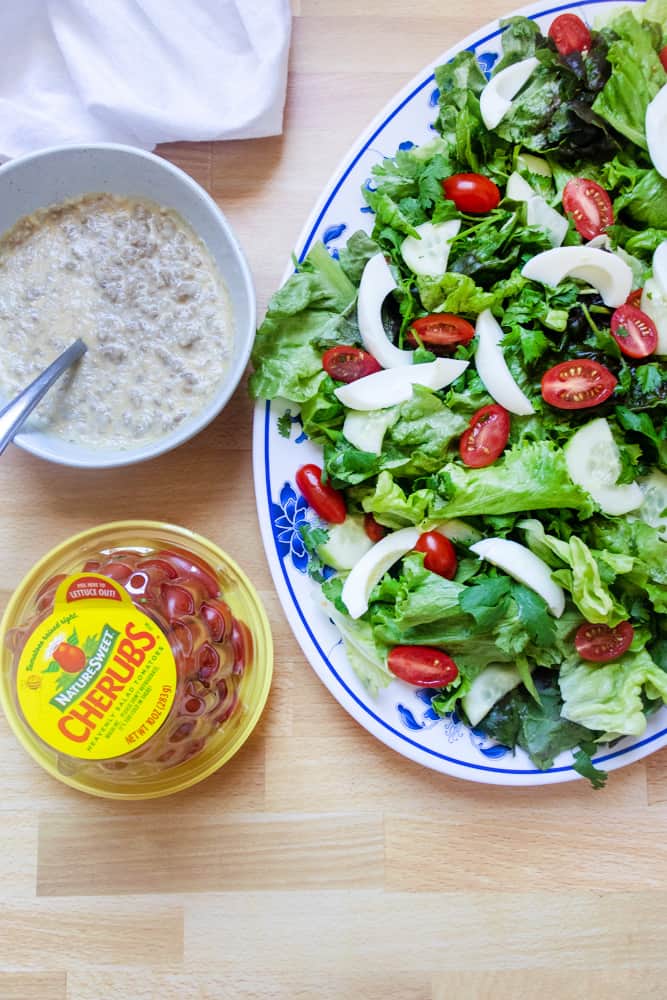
(318,863)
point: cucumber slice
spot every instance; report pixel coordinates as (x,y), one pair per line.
(346,544)
(459,531)
(594,463)
(654,508)
(428,254)
(366,429)
(533,164)
(487,689)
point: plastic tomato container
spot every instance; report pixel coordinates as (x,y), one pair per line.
(135,660)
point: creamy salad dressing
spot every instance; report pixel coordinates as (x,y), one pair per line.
(134,281)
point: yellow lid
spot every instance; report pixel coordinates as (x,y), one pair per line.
(135,660)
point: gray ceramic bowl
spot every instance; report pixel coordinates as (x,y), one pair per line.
(52,175)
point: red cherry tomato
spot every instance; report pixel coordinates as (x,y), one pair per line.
(191,567)
(576,385)
(569,34)
(424,666)
(154,567)
(439,554)
(472,193)
(374,530)
(635,298)
(218,616)
(663,58)
(181,598)
(485,438)
(118,571)
(589,205)
(327,502)
(243,646)
(599,643)
(634,331)
(71,659)
(347,364)
(440,330)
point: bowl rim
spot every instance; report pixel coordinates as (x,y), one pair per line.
(254,712)
(115,458)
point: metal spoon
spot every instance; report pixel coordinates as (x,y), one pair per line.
(14,415)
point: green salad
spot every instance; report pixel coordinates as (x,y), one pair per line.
(486,375)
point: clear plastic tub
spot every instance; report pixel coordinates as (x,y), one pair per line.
(136,659)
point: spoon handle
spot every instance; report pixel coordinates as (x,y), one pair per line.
(16,413)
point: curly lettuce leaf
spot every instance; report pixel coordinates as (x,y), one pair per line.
(304,317)
(609,697)
(418,435)
(530,476)
(637,76)
(582,573)
(536,727)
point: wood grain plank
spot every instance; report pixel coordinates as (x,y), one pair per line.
(348,40)
(433,931)
(423,797)
(656,778)
(61,936)
(535,851)
(33,986)
(582,984)
(233,852)
(250,983)
(18,854)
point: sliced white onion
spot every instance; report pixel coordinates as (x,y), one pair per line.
(372,566)
(654,304)
(524,566)
(541,214)
(492,367)
(496,98)
(605,271)
(377,282)
(656,131)
(394,385)
(660,266)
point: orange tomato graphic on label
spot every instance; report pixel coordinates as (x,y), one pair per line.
(71,659)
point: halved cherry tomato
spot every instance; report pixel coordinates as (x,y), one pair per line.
(486,436)
(322,497)
(635,298)
(440,330)
(191,567)
(472,193)
(374,530)
(569,34)
(347,364)
(589,205)
(439,554)
(634,331)
(663,58)
(424,666)
(575,385)
(599,643)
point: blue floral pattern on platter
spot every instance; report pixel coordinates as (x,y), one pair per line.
(454,729)
(286,517)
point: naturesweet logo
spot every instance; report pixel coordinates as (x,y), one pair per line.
(87,661)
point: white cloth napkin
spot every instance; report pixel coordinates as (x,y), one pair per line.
(140,71)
